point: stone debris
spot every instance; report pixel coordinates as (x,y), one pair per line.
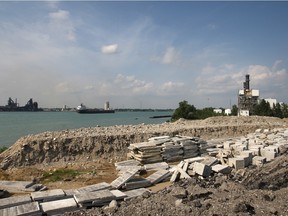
(158,176)
(14,201)
(165,148)
(59,206)
(128,174)
(223,157)
(49,195)
(27,209)
(20,186)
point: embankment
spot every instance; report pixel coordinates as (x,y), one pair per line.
(87,144)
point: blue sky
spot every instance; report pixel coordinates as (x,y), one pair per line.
(142,54)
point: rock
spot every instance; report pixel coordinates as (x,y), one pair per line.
(178,202)
(179,192)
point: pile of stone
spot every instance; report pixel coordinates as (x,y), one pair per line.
(220,157)
(166,148)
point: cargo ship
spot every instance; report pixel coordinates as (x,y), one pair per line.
(83,109)
(13,106)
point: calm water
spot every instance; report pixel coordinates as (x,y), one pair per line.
(14,125)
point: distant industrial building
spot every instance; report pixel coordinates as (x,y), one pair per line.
(272,102)
(247,98)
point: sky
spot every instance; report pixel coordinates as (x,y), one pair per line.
(142,54)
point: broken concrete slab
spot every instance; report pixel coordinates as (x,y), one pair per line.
(210,161)
(14,201)
(201,169)
(237,163)
(119,195)
(96,198)
(258,160)
(158,176)
(155,166)
(269,155)
(220,168)
(117,183)
(137,183)
(17,186)
(94,187)
(135,193)
(49,195)
(28,209)
(58,207)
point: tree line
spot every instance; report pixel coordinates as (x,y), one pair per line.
(188,111)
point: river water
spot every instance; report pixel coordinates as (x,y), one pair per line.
(14,125)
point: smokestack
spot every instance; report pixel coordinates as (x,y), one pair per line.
(246,84)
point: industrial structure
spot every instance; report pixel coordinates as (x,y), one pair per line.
(13,106)
(247,98)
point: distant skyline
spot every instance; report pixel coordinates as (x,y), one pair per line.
(138,54)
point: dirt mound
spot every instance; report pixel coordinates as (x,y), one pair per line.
(86,144)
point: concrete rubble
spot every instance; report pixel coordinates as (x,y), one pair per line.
(213,157)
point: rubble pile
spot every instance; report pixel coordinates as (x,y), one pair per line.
(215,158)
(165,148)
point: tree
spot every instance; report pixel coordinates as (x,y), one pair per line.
(277,111)
(185,111)
(234,110)
(263,109)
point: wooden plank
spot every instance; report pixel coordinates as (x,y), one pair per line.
(117,183)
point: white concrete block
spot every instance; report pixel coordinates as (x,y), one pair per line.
(237,163)
(258,160)
(219,168)
(202,169)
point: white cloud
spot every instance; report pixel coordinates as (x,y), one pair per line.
(110,49)
(60,15)
(62,24)
(171,87)
(170,56)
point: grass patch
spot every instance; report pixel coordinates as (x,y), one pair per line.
(2,149)
(59,175)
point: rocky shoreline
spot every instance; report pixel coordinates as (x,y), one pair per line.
(86,144)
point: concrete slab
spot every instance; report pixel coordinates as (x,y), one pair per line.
(194,159)
(135,193)
(158,176)
(59,206)
(202,169)
(96,198)
(14,201)
(156,166)
(119,195)
(270,155)
(94,187)
(117,183)
(17,186)
(28,209)
(258,160)
(220,168)
(49,195)
(137,183)
(237,163)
